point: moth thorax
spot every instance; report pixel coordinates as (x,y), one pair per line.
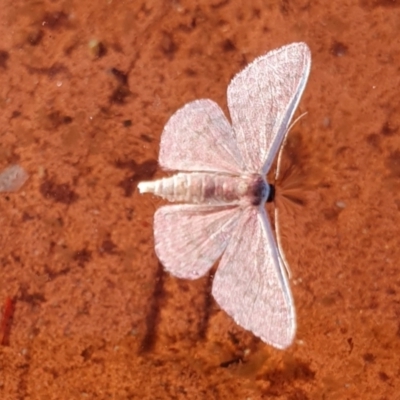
(259,191)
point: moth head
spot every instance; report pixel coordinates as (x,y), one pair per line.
(259,191)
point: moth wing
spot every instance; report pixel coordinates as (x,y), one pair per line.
(250,284)
(190,238)
(198,137)
(262,100)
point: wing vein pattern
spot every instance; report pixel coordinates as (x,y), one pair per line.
(251,287)
(199,138)
(190,238)
(262,99)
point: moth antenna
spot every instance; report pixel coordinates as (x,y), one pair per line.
(297,120)
(276,211)
(279,243)
(278,163)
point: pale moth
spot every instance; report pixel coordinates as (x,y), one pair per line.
(223,189)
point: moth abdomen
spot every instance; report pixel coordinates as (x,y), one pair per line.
(209,188)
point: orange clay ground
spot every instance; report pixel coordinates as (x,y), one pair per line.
(85,90)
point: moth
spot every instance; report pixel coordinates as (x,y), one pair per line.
(222,189)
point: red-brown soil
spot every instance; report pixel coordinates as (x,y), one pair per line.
(85,90)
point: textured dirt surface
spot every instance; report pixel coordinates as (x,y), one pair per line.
(85,90)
